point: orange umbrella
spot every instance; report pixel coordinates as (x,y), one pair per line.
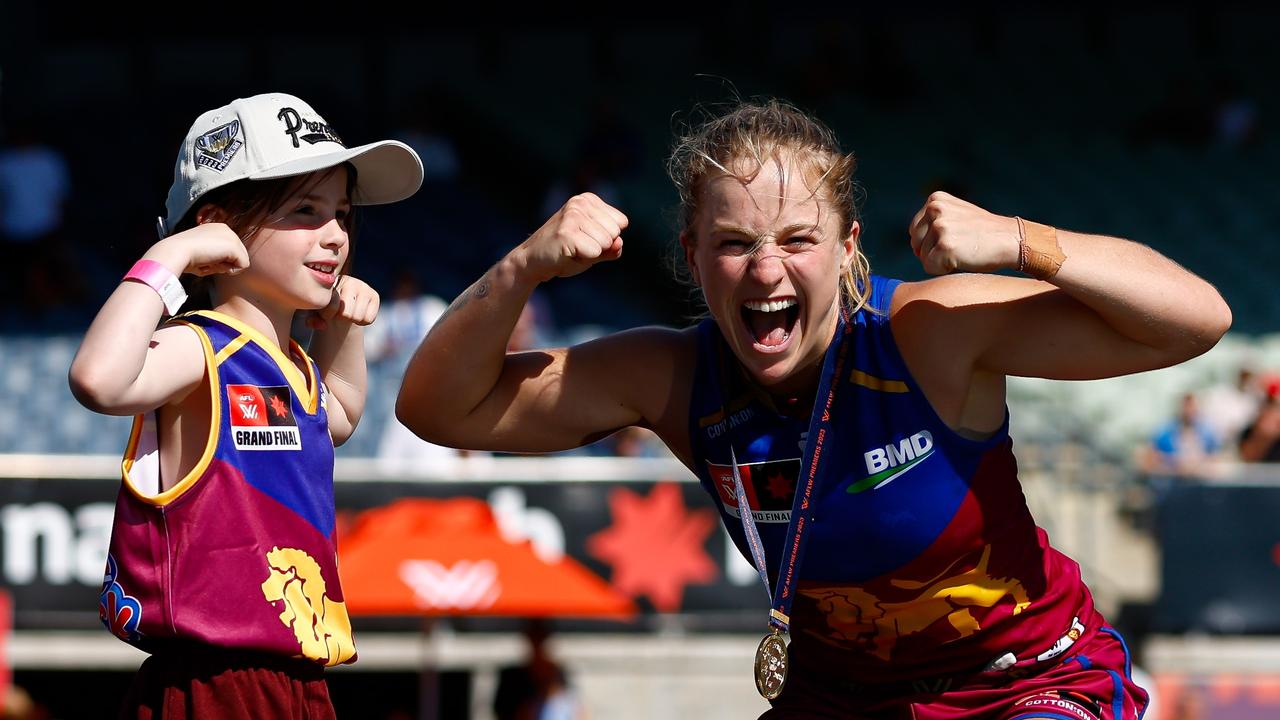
(446,557)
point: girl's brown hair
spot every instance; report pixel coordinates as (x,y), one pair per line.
(249,205)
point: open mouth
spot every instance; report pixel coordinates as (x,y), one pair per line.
(324,271)
(771,322)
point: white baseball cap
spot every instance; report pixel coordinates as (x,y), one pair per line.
(277,135)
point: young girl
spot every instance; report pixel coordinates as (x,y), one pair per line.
(222,562)
(850,429)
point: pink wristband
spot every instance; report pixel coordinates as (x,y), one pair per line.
(162,280)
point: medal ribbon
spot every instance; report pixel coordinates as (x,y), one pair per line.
(802,507)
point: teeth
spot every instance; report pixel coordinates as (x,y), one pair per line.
(320,268)
(769,305)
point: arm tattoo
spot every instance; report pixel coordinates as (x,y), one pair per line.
(480,290)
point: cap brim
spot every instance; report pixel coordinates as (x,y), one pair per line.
(386,171)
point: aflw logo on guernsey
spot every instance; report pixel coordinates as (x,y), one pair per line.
(262,418)
(886,464)
(770,487)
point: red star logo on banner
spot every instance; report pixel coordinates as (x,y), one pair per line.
(655,545)
(1275,554)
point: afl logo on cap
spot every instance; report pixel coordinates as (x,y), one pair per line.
(215,148)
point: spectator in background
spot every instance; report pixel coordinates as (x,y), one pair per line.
(1227,408)
(1183,447)
(1260,441)
(404,321)
(537,689)
(389,343)
(34,187)
(440,162)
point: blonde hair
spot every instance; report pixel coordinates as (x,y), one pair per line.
(760,132)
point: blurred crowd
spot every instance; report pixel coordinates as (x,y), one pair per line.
(1231,422)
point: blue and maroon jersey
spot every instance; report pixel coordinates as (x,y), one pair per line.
(240,552)
(923,558)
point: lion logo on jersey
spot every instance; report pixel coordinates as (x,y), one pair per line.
(321,626)
(858,617)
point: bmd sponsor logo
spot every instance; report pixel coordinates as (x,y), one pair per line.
(888,463)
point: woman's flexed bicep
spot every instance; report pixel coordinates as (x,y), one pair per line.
(549,400)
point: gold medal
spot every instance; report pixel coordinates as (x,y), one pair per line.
(771,665)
